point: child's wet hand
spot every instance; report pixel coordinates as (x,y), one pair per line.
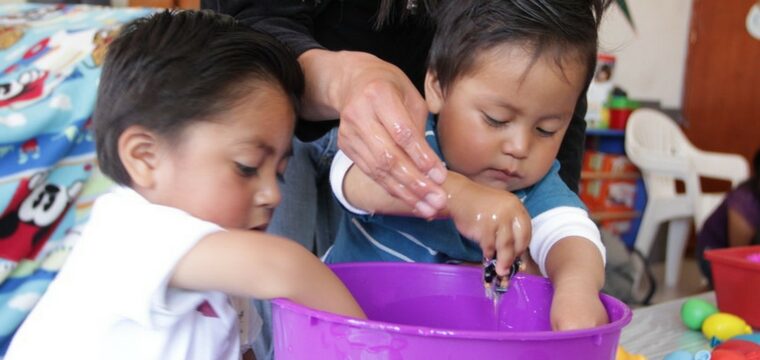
(495,219)
(577,309)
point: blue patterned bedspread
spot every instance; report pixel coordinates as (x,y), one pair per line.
(50,62)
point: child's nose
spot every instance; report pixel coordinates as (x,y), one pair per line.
(268,195)
(517,145)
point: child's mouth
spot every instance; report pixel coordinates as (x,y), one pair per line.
(503,175)
(262,227)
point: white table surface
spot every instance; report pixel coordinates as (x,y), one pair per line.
(657,330)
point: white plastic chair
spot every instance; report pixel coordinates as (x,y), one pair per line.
(658,147)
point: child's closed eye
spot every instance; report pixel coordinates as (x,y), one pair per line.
(246,171)
(493,121)
(545,132)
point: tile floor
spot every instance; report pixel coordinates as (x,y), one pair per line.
(690,281)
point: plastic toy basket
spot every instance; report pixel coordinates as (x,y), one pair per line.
(430,311)
(736,276)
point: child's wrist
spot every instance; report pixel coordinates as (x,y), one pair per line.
(454,186)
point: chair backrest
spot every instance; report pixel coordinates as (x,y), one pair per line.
(655,144)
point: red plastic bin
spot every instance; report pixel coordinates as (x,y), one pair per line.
(736,276)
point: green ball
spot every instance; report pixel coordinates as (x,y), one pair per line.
(695,311)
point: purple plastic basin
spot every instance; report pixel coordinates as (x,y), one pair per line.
(433,311)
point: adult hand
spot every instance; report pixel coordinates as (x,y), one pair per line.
(495,219)
(382,118)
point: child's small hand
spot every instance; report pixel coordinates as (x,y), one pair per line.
(577,308)
(495,219)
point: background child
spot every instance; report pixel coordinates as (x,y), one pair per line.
(194,119)
(504,77)
(735,222)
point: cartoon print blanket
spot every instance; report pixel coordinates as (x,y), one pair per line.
(50,62)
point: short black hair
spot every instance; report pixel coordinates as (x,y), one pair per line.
(173,68)
(465,28)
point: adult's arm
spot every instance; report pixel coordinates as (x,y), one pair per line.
(290,21)
(740,231)
(381,113)
(743,216)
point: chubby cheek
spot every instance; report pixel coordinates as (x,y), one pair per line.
(234,217)
(465,158)
(466,151)
(229,209)
(541,162)
(241,213)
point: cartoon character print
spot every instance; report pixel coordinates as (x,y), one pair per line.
(87,132)
(34,212)
(9,36)
(28,87)
(102,39)
(5,149)
(43,67)
(30,149)
(32,54)
(36,14)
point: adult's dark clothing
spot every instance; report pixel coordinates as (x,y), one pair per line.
(404,41)
(715,231)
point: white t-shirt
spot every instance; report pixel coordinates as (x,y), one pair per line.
(111,300)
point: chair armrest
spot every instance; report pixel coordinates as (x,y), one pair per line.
(678,167)
(723,166)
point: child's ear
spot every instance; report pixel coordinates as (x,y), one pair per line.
(139,153)
(433,93)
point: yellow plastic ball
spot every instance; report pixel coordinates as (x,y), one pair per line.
(624,355)
(724,326)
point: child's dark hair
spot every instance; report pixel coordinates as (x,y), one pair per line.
(171,69)
(465,28)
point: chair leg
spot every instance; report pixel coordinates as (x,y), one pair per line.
(678,232)
(647,232)
(644,241)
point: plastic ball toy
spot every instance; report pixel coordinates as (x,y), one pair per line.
(695,311)
(624,355)
(702,355)
(724,326)
(727,355)
(747,349)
